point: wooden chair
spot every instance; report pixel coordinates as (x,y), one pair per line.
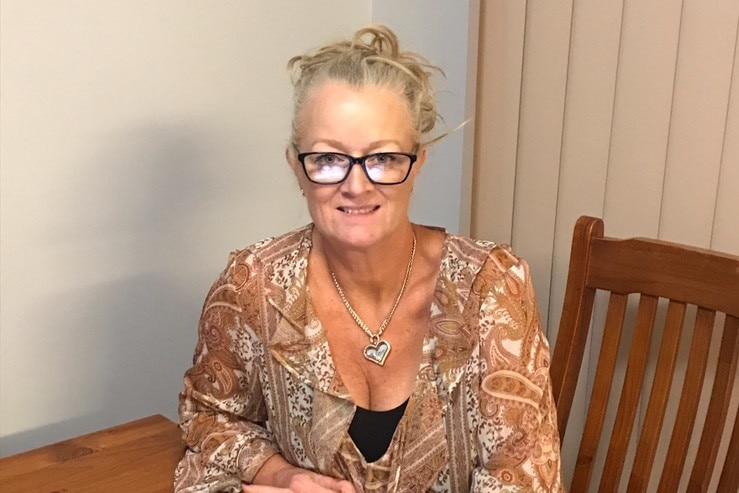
(684,276)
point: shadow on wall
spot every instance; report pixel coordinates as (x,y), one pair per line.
(117,331)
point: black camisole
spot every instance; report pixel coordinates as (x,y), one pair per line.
(372,431)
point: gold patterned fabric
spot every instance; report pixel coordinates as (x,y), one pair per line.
(480,419)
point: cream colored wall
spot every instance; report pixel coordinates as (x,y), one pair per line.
(441,195)
(622,109)
(140,142)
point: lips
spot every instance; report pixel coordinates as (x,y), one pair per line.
(359,210)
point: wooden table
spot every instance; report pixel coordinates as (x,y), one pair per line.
(137,457)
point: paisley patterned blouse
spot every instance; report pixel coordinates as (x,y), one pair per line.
(480,419)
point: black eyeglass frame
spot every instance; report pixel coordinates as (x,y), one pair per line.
(361,162)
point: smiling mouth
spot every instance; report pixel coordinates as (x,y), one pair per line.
(359,210)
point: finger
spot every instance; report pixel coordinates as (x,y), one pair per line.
(346,487)
(334,484)
(252,488)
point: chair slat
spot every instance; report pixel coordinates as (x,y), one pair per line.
(601,391)
(574,322)
(729,482)
(630,394)
(688,277)
(658,397)
(723,384)
(691,391)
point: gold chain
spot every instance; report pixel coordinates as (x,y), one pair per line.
(375,338)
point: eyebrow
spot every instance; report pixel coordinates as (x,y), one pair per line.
(372,145)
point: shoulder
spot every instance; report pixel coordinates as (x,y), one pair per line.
(483,257)
(485,272)
(272,253)
(275,245)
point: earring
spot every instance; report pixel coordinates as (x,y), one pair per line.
(302,192)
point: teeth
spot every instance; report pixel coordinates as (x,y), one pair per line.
(365,210)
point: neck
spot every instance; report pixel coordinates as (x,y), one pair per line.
(375,272)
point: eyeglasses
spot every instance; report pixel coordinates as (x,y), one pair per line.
(381,168)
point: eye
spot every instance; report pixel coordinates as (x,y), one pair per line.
(326,167)
(384,159)
(327,159)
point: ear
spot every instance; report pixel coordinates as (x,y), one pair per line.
(292,159)
(420,158)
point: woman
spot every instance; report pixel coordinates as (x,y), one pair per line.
(363,352)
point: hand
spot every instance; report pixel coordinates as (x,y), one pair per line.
(303,481)
(279,476)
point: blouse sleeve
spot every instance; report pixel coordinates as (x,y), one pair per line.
(222,409)
(517,435)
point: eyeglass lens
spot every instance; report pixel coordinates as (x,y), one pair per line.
(386,167)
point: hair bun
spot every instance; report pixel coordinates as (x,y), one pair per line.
(372,57)
(381,40)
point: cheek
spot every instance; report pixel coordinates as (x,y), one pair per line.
(410,182)
(316,197)
(401,195)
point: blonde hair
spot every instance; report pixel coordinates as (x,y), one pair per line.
(372,57)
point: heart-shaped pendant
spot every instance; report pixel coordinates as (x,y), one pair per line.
(377,353)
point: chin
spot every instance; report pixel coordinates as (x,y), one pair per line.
(354,238)
(359,232)
(358,240)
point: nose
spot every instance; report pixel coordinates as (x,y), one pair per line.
(357,181)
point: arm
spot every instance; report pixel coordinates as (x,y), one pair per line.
(517,437)
(277,475)
(222,409)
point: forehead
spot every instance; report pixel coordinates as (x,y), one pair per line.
(352,115)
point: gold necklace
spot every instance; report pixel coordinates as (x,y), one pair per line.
(378,349)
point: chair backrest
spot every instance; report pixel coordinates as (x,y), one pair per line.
(687,280)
